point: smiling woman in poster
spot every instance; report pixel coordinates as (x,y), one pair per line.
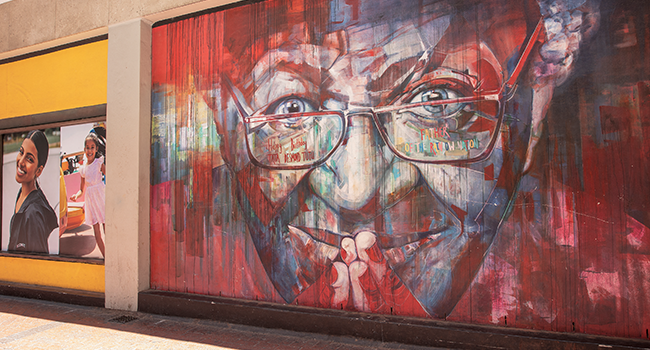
(33,219)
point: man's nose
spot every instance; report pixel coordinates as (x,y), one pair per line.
(358,163)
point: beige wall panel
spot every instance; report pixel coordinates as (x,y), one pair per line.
(123,10)
(4,28)
(30,22)
(156,6)
(74,16)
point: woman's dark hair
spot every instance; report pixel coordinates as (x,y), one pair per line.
(42,146)
(99,145)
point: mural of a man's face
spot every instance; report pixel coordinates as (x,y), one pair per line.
(351,174)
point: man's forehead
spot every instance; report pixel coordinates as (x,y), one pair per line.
(344,13)
(383,50)
(379,45)
(406,36)
(401,34)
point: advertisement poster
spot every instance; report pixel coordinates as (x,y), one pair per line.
(63,211)
(31,178)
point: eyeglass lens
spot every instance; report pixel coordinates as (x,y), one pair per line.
(295,139)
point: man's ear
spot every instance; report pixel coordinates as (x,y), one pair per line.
(541,99)
(232,134)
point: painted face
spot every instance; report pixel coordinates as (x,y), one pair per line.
(90,148)
(27,168)
(347,166)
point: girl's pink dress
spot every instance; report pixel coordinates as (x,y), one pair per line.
(95,191)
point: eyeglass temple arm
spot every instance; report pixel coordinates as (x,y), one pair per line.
(236,95)
(524,56)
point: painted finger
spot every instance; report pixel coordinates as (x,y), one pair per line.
(340,284)
(369,252)
(348,250)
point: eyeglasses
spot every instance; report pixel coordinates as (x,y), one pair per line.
(449,122)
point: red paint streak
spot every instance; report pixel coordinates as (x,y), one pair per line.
(160,216)
(484,124)
(159,55)
(263,207)
(488,173)
(460,213)
(355,8)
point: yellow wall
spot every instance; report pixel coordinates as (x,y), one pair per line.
(61,80)
(64,79)
(62,274)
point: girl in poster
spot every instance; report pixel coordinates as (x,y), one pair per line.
(33,219)
(92,172)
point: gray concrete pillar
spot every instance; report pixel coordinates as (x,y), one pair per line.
(128,124)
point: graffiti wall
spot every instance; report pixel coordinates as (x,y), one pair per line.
(475,161)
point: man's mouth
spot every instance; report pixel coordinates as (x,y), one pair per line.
(398,246)
(397,235)
(416,216)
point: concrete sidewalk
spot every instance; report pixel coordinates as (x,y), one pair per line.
(36,324)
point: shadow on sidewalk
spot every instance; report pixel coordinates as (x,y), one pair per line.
(124,324)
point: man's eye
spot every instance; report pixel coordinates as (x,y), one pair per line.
(437,94)
(291,104)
